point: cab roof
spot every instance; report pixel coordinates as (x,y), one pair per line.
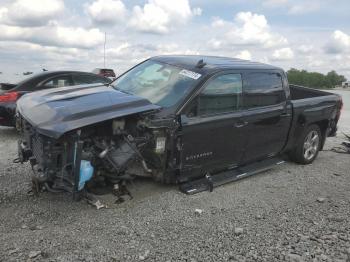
(212,63)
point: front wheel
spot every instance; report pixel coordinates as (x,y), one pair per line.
(308,146)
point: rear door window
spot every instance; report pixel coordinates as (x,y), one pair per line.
(58,81)
(262,89)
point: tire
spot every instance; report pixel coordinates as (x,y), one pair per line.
(308,145)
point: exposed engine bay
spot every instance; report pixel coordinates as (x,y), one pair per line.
(109,152)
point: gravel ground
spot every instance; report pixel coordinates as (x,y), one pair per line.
(293,213)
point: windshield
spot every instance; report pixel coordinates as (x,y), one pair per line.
(162,84)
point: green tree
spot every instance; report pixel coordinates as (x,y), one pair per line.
(334,79)
(314,79)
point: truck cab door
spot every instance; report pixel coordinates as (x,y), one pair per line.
(268,114)
(212,130)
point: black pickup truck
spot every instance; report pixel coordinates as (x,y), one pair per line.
(198,121)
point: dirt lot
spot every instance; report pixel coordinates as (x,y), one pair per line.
(295,213)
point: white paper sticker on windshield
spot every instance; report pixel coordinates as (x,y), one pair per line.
(190,74)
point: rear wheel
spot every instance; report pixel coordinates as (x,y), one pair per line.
(308,146)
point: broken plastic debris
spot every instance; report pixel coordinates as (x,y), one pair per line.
(98,204)
(144,256)
(94,201)
(198,211)
(34,254)
(320,199)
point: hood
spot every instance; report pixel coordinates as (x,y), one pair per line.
(54,112)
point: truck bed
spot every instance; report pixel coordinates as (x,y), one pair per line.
(312,106)
(301,92)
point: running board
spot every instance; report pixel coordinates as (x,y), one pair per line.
(209,182)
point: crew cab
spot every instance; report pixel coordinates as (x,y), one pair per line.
(198,121)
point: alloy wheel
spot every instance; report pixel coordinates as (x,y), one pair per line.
(311,145)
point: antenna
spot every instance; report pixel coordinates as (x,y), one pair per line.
(104,52)
(201,64)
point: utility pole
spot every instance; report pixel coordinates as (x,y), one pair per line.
(104,52)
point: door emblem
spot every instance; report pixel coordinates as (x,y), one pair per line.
(197,156)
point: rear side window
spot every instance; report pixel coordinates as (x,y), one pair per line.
(262,89)
(222,94)
(58,81)
(89,79)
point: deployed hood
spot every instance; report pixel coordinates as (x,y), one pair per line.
(54,112)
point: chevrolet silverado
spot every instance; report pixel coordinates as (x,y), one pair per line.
(198,121)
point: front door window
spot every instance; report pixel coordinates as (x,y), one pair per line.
(210,138)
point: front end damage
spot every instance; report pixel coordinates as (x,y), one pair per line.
(76,137)
(107,153)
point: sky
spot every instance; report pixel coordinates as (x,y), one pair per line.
(61,34)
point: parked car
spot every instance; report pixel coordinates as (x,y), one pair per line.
(345,84)
(194,120)
(10,93)
(104,72)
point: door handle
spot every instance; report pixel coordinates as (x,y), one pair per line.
(241,124)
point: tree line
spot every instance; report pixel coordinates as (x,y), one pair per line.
(314,79)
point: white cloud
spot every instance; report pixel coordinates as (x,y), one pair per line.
(339,43)
(275,3)
(161,16)
(294,7)
(313,62)
(126,50)
(78,37)
(342,38)
(54,35)
(304,7)
(283,54)
(197,11)
(3,13)
(215,44)
(245,54)
(305,49)
(174,49)
(31,12)
(121,51)
(247,29)
(47,33)
(218,22)
(107,12)
(34,57)
(254,28)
